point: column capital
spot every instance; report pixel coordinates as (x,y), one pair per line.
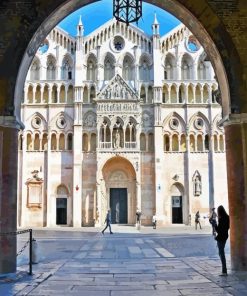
(234,119)
(11,122)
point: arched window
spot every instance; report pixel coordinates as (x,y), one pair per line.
(186,67)
(91,69)
(181,94)
(202,71)
(53,142)
(70,95)
(51,68)
(192,143)
(54,95)
(215,143)
(199,143)
(85,143)
(205,94)
(35,70)
(143,94)
(61,142)
(46,94)
(144,69)
(151,142)
(198,94)
(70,141)
(150,95)
(92,94)
(165,94)
(170,63)
(206,143)
(85,95)
(29,143)
(221,143)
(173,94)
(38,94)
(175,145)
(109,69)
(143,142)
(93,142)
(128,68)
(62,94)
(67,69)
(190,94)
(30,94)
(36,142)
(166,143)
(44,142)
(183,143)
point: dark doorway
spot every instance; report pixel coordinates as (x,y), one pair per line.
(61,211)
(118,205)
(177,210)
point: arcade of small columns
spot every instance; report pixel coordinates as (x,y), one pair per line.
(172,141)
(173,92)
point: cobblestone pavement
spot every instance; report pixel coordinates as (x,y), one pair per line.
(129,262)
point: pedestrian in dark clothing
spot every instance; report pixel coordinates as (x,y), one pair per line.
(154,220)
(138,216)
(108,222)
(197,220)
(222,235)
(213,221)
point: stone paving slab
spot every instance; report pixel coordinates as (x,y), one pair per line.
(126,264)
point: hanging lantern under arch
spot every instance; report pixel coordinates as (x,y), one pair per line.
(127,11)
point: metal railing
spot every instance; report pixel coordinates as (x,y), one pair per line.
(28,242)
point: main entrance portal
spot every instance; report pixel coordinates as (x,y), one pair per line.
(118,205)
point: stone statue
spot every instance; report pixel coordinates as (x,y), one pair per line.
(197,186)
(117,139)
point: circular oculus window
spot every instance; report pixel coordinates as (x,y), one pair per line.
(61,122)
(199,123)
(192,44)
(36,122)
(118,43)
(174,123)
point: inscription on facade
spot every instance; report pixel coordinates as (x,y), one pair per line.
(118,107)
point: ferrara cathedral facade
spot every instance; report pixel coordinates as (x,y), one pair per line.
(123,120)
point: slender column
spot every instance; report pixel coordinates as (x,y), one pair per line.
(138,196)
(77,176)
(51,200)
(8,191)
(236,156)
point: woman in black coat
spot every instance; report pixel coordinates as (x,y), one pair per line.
(222,235)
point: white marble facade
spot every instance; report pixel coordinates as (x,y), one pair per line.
(124,120)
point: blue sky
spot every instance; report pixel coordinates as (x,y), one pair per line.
(96,14)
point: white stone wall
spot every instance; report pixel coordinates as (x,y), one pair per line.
(175,126)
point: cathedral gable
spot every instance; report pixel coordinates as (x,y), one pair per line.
(117,89)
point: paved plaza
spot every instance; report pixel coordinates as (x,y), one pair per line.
(168,261)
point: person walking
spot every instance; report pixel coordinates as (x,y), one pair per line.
(197,220)
(222,235)
(138,216)
(154,220)
(213,221)
(108,222)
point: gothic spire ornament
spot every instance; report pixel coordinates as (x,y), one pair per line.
(127,11)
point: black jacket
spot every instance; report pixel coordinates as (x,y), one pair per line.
(222,229)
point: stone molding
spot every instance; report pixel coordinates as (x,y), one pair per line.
(233,119)
(11,122)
